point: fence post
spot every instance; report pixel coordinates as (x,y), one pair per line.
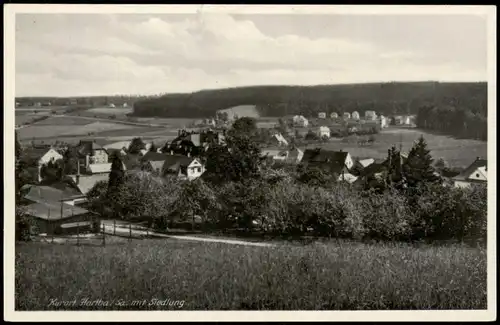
(130,231)
(103,234)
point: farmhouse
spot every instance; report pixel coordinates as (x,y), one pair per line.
(334,115)
(476,173)
(323,132)
(164,164)
(322,115)
(92,152)
(300,121)
(59,192)
(370,115)
(346,116)
(334,161)
(355,115)
(37,157)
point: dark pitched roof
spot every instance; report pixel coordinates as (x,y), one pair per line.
(153,156)
(55,193)
(52,210)
(174,162)
(35,153)
(473,167)
(324,156)
(87,147)
(334,161)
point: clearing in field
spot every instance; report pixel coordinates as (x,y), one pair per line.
(216,276)
(111,110)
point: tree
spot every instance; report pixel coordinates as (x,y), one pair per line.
(153,147)
(136,145)
(239,160)
(244,126)
(440,164)
(418,166)
(311,136)
(116,176)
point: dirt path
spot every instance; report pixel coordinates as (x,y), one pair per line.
(123,230)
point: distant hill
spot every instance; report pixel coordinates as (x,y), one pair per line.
(385,98)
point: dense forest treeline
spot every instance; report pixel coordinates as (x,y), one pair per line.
(385,98)
(461,121)
(88,101)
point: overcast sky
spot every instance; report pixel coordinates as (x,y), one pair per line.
(102,54)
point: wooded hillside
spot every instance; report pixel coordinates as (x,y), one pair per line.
(384,98)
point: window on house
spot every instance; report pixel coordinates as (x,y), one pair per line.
(477,175)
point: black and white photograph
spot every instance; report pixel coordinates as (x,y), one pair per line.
(250,158)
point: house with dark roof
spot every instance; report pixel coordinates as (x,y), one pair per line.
(184,167)
(476,173)
(58,192)
(335,162)
(37,157)
(193,143)
(92,152)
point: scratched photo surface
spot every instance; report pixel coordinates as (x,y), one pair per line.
(210,161)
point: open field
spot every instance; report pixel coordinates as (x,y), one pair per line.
(215,276)
(110,110)
(457,152)
(61,126)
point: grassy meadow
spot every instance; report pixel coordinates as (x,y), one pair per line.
(213,276)
(457,152)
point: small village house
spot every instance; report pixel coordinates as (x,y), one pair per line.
(363,163)
(476,173)
(37,157)
(336,162)
(323,132)
(334,115)
(346,115)
(370,115)
(92,152)
(300,121)
(274,154)
(295,156)
(184,167)
(355,115)
(322,115)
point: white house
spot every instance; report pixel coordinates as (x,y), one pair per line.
(112,105)
(347,115)
(366,162)
(184,167)
(322,115)
(281,155)
(334,115)
(323,131)
(300,120)
(125,105)
(476,173)
(355,115)
(370,115)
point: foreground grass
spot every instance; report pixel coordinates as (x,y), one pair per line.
(211,276)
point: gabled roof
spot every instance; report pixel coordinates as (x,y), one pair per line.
(174,162)
(35,153)
(52,210)
(87,147)
(478,163)
(366,162)
(153,156)
(332,160)
(37,193)
(86,182)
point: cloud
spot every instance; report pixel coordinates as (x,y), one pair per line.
(93,54)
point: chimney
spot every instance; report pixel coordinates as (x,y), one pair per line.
(477,158)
